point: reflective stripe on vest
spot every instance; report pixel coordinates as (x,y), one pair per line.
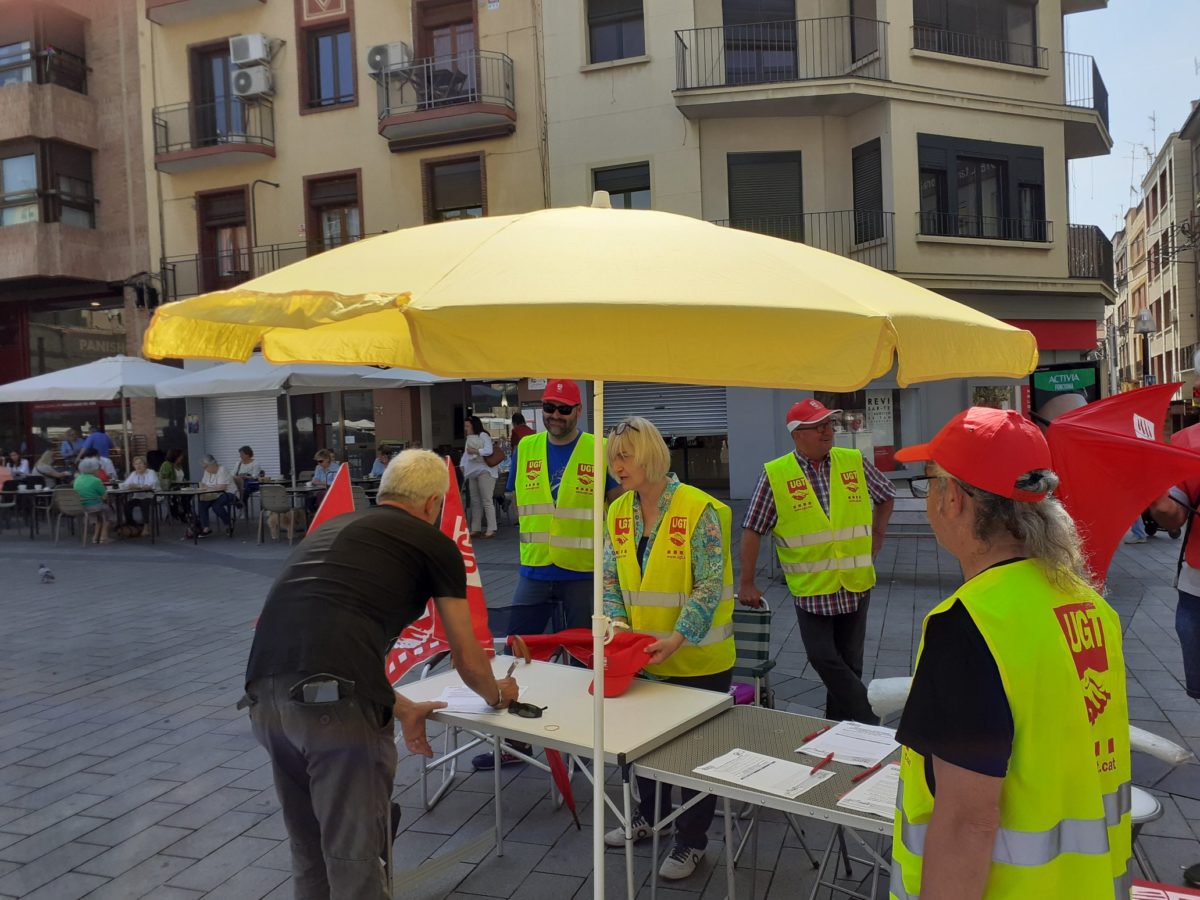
(654,597)
(820,552)
(1065,816)
(555,532)
(1122,885)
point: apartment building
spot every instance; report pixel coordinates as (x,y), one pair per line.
(925,137)
(73,241)
(277,130)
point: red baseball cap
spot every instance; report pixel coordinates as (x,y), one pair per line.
(988,449)
(624,657)
(560,390)
(808,412)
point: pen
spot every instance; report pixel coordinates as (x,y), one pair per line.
(512,668)
(871,771)
(826,761)
(817,733)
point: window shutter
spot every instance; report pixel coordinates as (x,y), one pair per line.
(623,178)
(868,176)
(333,192)
(765,185)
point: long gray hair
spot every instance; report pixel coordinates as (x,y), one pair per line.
(1044,528)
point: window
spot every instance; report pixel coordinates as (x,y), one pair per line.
(330,56)
(864,36)
(454,189)
(867,165)
(46,181)
(996,30)
(334,214)
(16,63)
(225,251)
(218,116)
(40,43)
(615,30)
(997,190)
(766,194)
(1154,260)
(628,186)
(760,41)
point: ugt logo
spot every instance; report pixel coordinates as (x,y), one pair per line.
(677,530)
(533,468)
(622,528)
(850,482)
(1081,626)
(585,475)
(798,487)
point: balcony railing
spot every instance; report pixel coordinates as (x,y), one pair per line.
(481,76)
(194,273)
(1084,86)
(775,52)
(49,66)
(975,46)
(996,228)
(227,122)
(862,235)
(1089,254)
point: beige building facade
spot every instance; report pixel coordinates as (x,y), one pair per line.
(74,260)
(277,130)
(911,136)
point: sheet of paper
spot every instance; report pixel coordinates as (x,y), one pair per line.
(853,744)
(461,699)
(763,773)
(876,794)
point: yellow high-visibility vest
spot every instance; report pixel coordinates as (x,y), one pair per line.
(556,531)
(822,553)
(1065,803)
(654,598)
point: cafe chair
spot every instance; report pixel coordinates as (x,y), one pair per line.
(67,503)
(8,503)
(359,493)
(273,498)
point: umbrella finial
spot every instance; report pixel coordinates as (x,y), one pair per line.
(600,200)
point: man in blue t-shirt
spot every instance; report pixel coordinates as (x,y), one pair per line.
(99,441)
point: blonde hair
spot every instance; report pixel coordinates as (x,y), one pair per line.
(413,476)
(322,455)
(1045,528)
(638,438)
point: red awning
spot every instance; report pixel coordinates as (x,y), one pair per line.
(1060,334)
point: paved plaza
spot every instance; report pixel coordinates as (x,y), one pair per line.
(126,771)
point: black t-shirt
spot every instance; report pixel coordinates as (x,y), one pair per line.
(348,591)
(957,709)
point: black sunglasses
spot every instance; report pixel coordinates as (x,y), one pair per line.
(626,426)
(525,710)
(562,409)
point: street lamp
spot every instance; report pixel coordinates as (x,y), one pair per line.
(1145,327)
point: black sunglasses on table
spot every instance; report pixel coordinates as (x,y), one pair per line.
(525,710)
(562,409)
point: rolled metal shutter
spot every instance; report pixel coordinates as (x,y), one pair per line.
(232,422)
(676,409)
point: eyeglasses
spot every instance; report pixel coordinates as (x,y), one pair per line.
(624,427)
(920,486)
(562,409)
(827,425)
(525,710)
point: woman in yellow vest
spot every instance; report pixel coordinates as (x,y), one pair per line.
(668,572)
(1015,766)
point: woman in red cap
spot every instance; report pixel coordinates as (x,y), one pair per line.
(668,573)
(1015,766)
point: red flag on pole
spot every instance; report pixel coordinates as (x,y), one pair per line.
(426,637)
(337,500)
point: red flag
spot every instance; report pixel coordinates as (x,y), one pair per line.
(427,636)
(338,499)
(1113,464)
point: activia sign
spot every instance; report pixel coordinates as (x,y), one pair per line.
(1065,380)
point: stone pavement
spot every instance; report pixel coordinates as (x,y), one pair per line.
(126,772)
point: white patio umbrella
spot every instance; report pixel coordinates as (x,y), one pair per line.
(260,376)
(111,378)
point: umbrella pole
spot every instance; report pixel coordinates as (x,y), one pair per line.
(287,404)
(125,430)
(599,624)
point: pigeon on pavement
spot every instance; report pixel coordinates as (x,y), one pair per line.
(47,575)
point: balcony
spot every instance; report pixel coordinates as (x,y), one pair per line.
(1089,254)
(190,136)
(41,249)
(985,228)
(172,12)
(1084,89)
(445,100)
(49,66)
(865,236)
(973,46)
(823,62)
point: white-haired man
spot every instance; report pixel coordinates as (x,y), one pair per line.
(320,702)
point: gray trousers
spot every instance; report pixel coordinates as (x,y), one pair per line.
(334,765)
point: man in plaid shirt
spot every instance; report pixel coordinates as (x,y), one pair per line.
(833,625)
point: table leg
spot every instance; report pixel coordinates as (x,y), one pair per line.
(496,783)
(754,855)
(628,796)
(658,788)
(730,873)
(32,518)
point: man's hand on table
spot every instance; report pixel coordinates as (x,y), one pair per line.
(507,690)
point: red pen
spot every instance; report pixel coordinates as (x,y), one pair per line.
(809,737)
(826,761)
(871,771)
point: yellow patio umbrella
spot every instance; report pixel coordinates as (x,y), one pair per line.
(596,293)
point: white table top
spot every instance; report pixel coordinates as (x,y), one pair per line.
(646,716)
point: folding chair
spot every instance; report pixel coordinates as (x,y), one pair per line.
(359,493)
(67,502)
(274,499)
(752,639)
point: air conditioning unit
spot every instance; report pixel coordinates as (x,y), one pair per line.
(249,49)
(252,82)
(383,58)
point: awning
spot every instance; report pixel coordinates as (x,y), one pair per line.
(1060,334)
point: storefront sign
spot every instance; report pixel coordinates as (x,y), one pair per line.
(881,424)
(1064,378)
